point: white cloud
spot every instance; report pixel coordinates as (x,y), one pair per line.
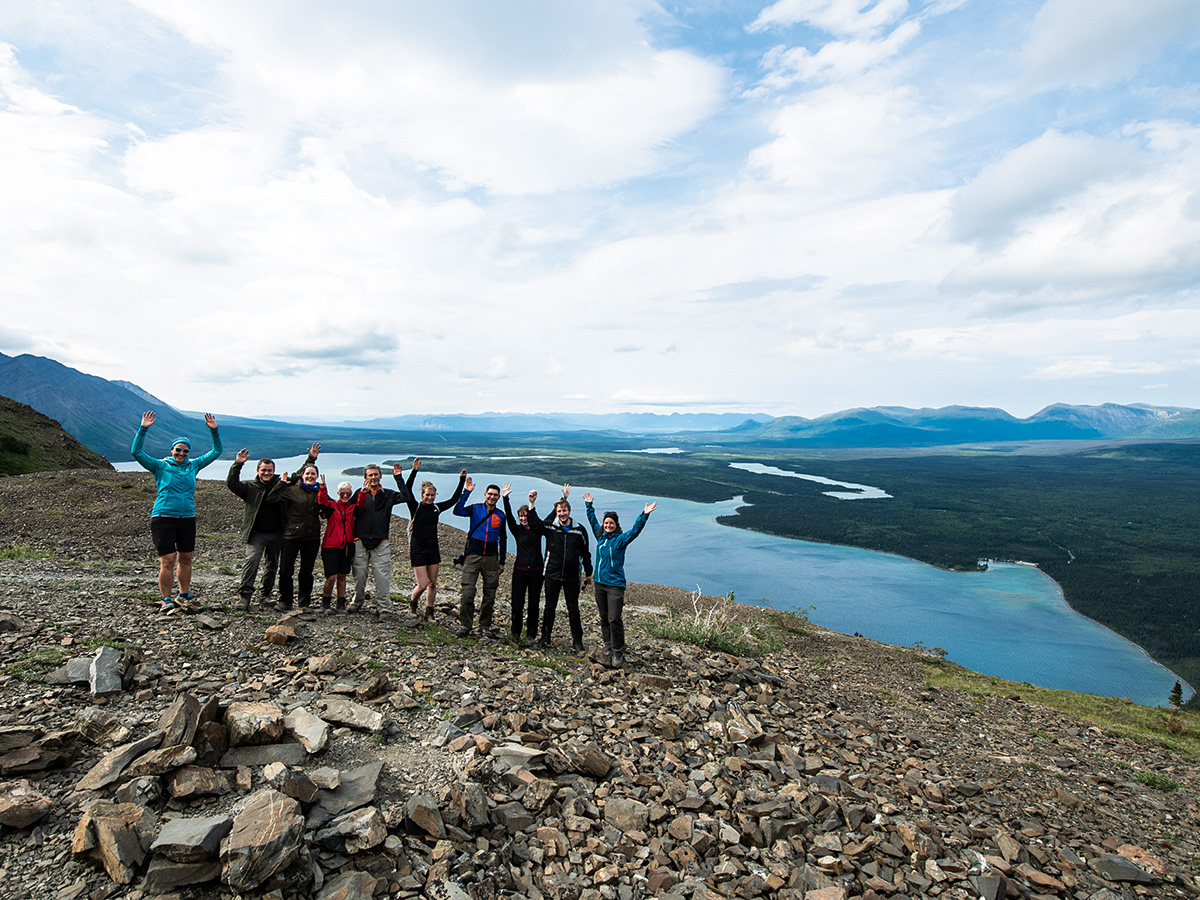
(1099,42)
(835,60)
(1034,179)
(838,17)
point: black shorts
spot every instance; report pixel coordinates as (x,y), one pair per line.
(337,560)
(173,534)
(424,557)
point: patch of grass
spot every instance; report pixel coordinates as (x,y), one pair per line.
(791,621)
(1156,781)
(33,666)
(22,551)
(1177,729)
(717,626)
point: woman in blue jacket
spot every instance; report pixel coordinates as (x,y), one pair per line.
(173,518)
(611,542)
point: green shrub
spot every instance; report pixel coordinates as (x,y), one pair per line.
(715,626)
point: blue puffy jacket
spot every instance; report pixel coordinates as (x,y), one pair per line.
(610,548)
(176,483)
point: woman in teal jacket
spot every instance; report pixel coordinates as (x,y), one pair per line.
(611,542)
(173,518)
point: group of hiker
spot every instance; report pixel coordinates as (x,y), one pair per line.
(282,517)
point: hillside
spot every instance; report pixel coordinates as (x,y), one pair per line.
(32,442)
(414,764)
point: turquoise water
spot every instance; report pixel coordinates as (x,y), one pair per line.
(1010,621)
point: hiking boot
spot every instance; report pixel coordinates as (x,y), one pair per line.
(243,604)
(305,602)
(353,606)
(282,606)
(341,604)
(577,646)
(489,634)
(167,607)
(462,631)
(428,615)
(327,604)
(414,608)
(618,660)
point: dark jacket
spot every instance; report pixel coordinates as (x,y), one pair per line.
(303,522)
(566,549)
(253,492)
(423,517)
(528,541)
(485,534)
(373,521)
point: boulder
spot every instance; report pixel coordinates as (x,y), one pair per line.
(22,806)
(264,840)
(117,835)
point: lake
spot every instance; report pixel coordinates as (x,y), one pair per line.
(1010,621)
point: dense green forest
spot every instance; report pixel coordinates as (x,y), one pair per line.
(1115,527)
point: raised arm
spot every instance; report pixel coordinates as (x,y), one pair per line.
(145,460)
(591,514)
(233,479)
(447,504)
(215,452)
(460,508)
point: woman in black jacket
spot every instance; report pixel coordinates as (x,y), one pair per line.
(301,532)
(527,567)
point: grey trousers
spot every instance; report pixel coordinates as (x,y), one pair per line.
(260,544)
(379,562)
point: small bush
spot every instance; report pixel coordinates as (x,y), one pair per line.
(22,551)
(1156,781)
(714,627)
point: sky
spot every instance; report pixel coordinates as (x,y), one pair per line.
(377,208)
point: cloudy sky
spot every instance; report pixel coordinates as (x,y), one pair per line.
(363,208)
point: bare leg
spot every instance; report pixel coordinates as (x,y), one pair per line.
(166,574)
(184,572)
(431,601)
(329,582)
(422,573)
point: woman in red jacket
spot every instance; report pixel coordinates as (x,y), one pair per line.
(337,549)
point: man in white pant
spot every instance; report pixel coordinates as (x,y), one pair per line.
(372,524)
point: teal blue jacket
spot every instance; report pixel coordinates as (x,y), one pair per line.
(610,548)
(176,483)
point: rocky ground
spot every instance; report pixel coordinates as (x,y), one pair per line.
(226,754)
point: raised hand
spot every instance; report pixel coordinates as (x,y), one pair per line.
(469,485)
(284,477)
(321,481)
(587,497)
(242,456)
(211,421)
(566,491)
(506,489)
(532,497)
(148,418)
(315,450)
(417,464)
(397,470)
(650,507)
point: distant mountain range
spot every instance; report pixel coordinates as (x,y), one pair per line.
(104,415)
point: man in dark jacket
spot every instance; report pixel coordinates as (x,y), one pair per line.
(487,544)
(372,525)
(566,552)
(262,523)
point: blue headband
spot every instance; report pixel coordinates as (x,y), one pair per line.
(183,441)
